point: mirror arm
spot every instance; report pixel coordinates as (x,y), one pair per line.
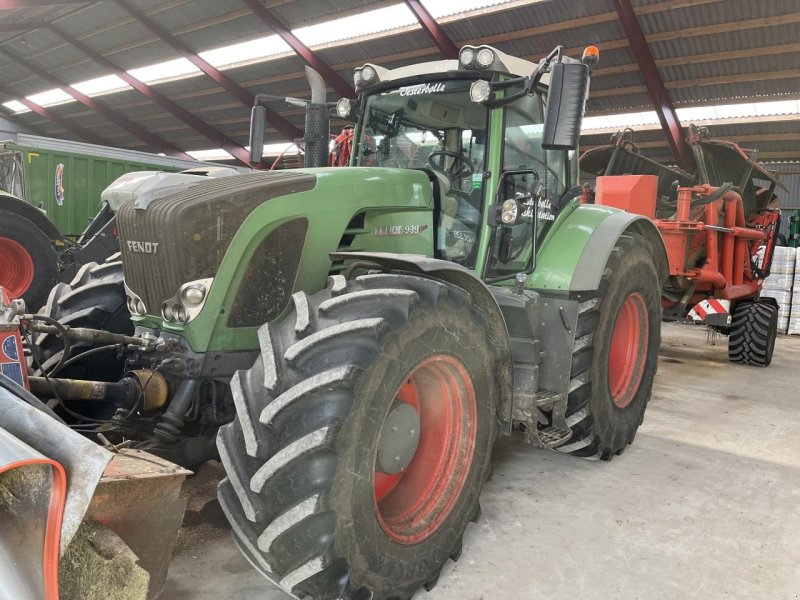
(507,83)
(497,103)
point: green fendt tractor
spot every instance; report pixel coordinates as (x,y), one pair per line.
(352,341)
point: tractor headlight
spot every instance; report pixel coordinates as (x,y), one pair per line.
(135,304)
(368,75)
(187,303)
(193,294)
(480,91)
(466,56)
(509,213)
(344,108)
(167,312)
(485,58)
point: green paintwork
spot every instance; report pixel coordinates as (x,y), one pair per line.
(561,250)
(494,166)
(85,176)
(389,197)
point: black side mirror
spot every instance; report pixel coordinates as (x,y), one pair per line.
(569,83)
(258,124)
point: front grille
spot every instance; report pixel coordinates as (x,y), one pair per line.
(184,236)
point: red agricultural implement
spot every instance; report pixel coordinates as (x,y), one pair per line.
(713,224)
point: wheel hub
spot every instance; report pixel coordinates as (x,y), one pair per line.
(16,266)
(425,449)
(399,439)
(628,350)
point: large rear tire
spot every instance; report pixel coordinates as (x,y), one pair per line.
(615,354)
(754,327)
(28,261)
(328,492)
(96,299)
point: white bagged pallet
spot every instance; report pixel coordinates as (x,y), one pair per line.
(794,310)
(783,269)
(780,281)
(794,326)
(782,297)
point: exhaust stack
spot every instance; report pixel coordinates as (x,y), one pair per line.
(317,131)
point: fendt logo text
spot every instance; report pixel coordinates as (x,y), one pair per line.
(143,247)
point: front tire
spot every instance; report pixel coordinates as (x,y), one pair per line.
(327,491)
(615,354)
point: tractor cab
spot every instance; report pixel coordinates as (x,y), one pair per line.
(476,126)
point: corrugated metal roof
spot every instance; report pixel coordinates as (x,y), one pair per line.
(526,28)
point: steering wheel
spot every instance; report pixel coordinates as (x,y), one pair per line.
(459,168)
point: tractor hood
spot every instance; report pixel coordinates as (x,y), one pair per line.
(182,237)
(224,226)
(145,186)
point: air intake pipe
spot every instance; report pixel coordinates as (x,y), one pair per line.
(317,133)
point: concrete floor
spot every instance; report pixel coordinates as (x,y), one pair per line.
(702,505)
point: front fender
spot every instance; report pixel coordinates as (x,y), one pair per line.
(574,254)
(462,277)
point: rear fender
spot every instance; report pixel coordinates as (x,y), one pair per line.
(575,253)
(570,266)
(13,204)
(482,297)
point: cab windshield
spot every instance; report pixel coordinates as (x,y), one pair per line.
(434,126)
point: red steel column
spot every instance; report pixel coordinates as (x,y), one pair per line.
(148,137)
(281,125)
(433,29)
(75,129)
(213,135)
(331,77)
(659,95)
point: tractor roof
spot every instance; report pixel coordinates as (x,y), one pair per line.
(502,63)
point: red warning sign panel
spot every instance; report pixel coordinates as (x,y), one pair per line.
(12,360)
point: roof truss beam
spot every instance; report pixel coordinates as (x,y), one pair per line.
(12,4)
(210,133)
(659,95)
(22,26)
(148,137)
(443,42)
(330,76)
(65,123)
(284,127)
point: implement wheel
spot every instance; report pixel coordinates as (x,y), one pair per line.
(362,438)
(28,261)
(754,327)
(615,354)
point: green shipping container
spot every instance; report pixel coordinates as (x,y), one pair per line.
(66,178)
